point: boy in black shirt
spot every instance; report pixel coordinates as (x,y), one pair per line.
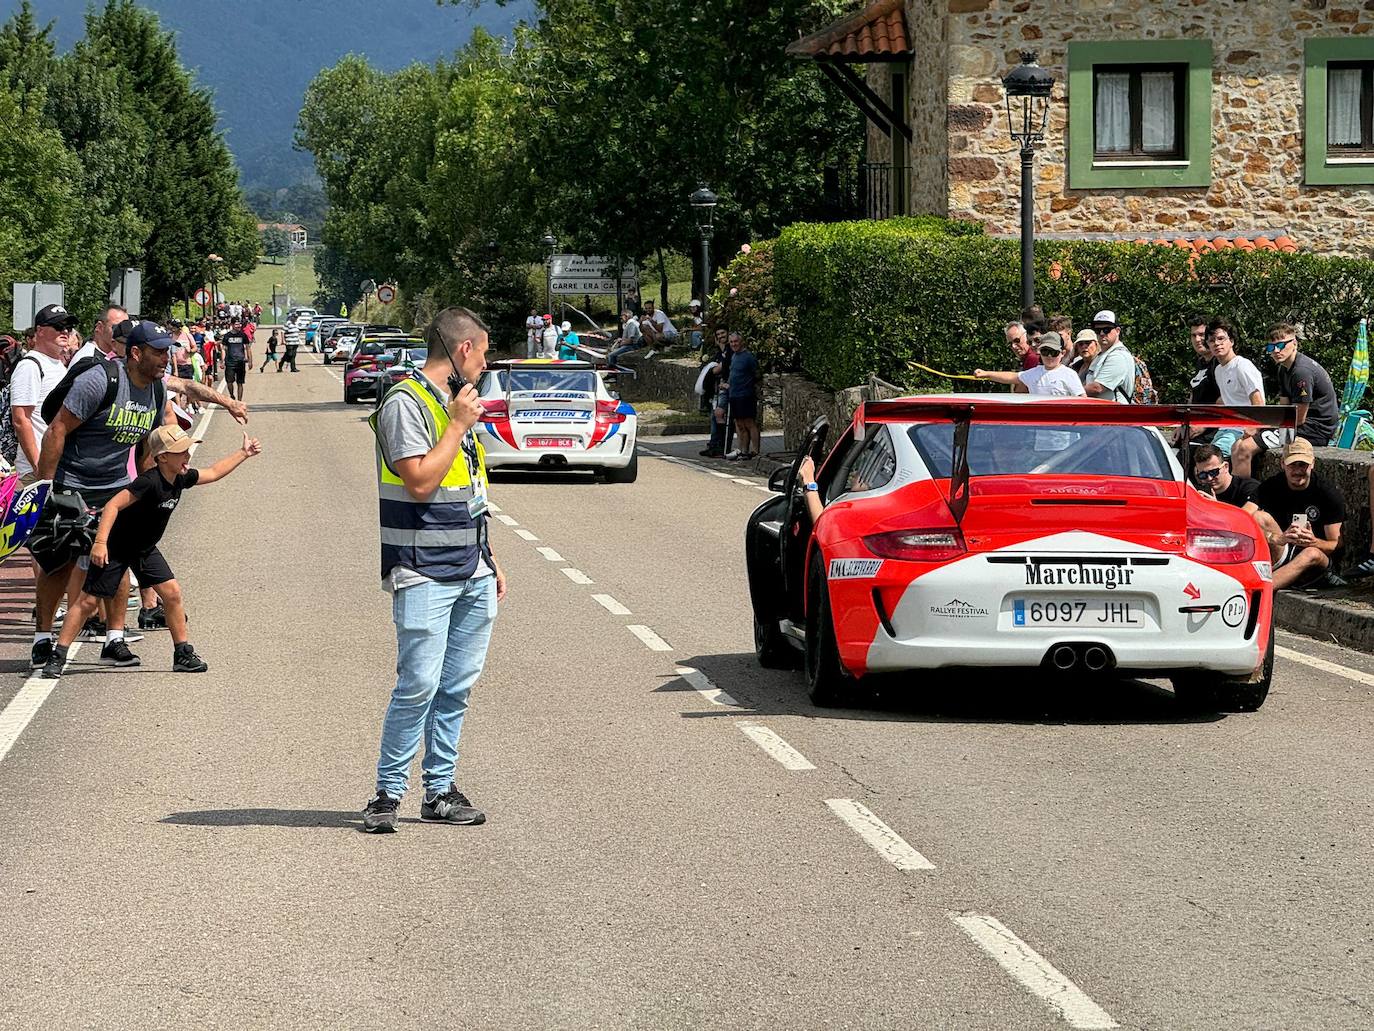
(131,524)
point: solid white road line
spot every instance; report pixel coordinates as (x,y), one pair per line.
(576,575)
(525,535)
(509,521)
(1326,667)
(1033,971)
(775,746)
(723,476)
(740,480)
(550,554)
(651,640)
(883,839)
(610,605)
(703,686)
(24,706)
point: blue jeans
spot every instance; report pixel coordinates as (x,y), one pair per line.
(613,357)
(442,632)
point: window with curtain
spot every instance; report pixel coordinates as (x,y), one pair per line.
(1349,106)
(1139,112)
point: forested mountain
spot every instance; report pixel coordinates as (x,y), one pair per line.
(257,56)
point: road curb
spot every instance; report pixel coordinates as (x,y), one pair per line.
(1345,621)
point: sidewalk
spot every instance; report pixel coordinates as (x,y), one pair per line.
(16,623)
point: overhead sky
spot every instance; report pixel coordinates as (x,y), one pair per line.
(259,55)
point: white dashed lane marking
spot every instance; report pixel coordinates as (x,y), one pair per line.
(502,517)
(525,535)
(550,554)
(1033,972)
(576,575)
(882,838)
(775,746)
(651,640)
(610,605)
(703,686)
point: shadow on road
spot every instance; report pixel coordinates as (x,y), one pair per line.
(953,696)
(264,818)
(583,476)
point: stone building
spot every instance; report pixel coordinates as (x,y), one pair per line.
(1169,119)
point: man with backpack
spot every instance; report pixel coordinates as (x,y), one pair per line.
(1112,373)
(96,415)
(38,372)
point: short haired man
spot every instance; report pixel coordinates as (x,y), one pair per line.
(631,338)
(33,379)
(1049,378)
(1238,383)
(291,340)
(238,355)
(1305,514)
(744,398)
(533,325)
(715,391)
(548,338)
(102,334)
(657,328)
(1085,349)
(1213,476)
(437,564)
(1303,383)
(1203,386)
(1018,339)
(1112,372)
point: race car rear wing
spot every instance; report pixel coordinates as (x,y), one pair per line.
(1060,413)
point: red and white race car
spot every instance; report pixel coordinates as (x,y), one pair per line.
(1014,532)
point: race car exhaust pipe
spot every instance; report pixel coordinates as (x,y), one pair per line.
(1095,658)
(1064,658)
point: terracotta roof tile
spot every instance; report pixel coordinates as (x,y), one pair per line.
(879,32)
(1283,243)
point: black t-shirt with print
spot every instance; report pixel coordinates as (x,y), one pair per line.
(141,525)
(235,344)
(1322,503)
(1204,385)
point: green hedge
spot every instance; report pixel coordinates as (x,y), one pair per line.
(868,297)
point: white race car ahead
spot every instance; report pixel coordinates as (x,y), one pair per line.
(547,412)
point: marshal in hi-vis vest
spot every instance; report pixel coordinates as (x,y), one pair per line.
(439,537)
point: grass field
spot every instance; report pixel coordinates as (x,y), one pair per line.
(295,275)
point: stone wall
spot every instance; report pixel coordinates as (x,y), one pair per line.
(1257,102)
(928,177)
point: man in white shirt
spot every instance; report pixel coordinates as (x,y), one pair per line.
(1239,383)
(657,328)
(1112,373)
(34,377)
(533,325)
(548,338)
(1050,378)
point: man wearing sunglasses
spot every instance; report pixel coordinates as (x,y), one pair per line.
(1213,477)
(1050,377)
(1302,383)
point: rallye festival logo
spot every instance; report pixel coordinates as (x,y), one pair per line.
(956,609)
(131,423)
(1079,575)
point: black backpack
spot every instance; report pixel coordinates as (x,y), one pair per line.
(52,404)
(9,440)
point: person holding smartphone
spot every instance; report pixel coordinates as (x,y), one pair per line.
(1306,514)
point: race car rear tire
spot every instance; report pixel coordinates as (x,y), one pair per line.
(771,647)
(349,399)
(1216,693)
(828,682)
(626,475)
(1248,695)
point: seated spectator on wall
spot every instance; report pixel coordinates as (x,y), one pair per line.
(657,328)
(1213,476)
(630,339)
(1305,514)
(1050,377)
(1302,383)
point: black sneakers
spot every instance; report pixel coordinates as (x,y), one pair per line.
(380,815)
(185,660)
(116,653)
(42,652)
(451,807)
(93,630)
(57,661)
(152,619)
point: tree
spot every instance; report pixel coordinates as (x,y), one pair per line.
(275,242)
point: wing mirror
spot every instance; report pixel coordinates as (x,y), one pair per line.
(777,480)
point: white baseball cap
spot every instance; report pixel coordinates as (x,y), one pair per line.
(566,326)
(1106,316)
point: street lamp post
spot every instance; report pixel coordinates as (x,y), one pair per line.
(703,203)
(550,243)
(215,261)
(1028,88)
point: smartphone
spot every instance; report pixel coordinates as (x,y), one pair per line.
(1299,521)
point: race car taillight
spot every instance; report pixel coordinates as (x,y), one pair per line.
(495,411)
(1220,546)
(917,545)
(606,414)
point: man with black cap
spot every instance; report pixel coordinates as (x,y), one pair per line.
(108,408)
(34,377)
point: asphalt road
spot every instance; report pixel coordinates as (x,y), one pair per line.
(184,850)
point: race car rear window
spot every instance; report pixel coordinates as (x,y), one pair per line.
(1002,449)
(552,380)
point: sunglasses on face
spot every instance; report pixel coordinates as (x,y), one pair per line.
(1205,475)
(1049,352)
(1275,346)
